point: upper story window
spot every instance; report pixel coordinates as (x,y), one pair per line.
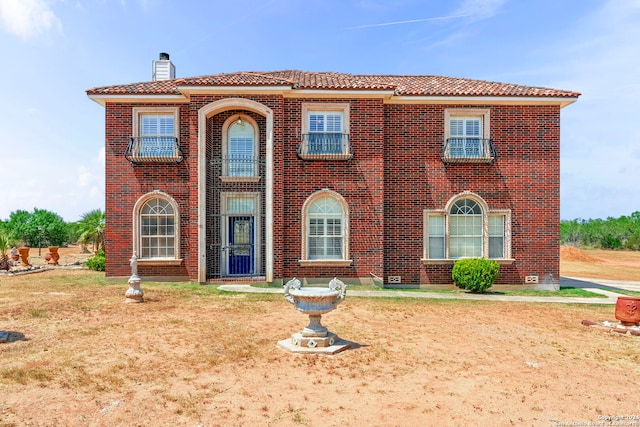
(155,136)
(156,229)
(326,230)
(467,228)
(467,137)
(240,148)
(325,132)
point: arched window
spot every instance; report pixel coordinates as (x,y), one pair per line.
(156,227)
(325,228)
(467,228)
(240,148)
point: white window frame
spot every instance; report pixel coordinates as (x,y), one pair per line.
(137,230)
(486,213)
(138,112)
(454,113)
(342,262)
(248,121)
(321,107)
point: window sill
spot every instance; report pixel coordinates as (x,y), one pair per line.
(159,261)
(137,159)
(327,156)
(428,261)
(240,179)
(325,262)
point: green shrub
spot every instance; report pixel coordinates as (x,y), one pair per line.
(96,262)
(475,274)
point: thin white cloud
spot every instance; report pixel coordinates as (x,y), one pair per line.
(480,9)
(410,21)
(28,18)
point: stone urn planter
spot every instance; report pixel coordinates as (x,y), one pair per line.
(24,256)
(314,302)
(628,310)
(54,255)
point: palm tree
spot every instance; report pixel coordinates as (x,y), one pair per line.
(91,228)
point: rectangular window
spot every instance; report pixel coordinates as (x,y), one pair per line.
(496,236)
(325,238)
(466,236)
(154,136)
(465,137)
(325,132)
(157,135)
(436,237)
(157,237)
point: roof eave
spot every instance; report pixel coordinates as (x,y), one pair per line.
(102,99)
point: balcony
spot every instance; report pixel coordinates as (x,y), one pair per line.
(325,146)
(154,149)
(468,150)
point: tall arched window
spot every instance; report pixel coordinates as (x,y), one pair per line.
(240,148)
(325,228)
(465,226)
(156,230)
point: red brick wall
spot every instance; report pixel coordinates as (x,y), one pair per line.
(359,181)
(396,173)
(126,183)
(525,179)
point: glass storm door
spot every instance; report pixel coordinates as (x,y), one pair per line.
(241,245)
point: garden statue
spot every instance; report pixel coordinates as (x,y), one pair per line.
(134,293)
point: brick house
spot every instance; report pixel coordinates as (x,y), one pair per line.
(271,175)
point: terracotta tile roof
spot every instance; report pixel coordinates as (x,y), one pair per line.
(401,85)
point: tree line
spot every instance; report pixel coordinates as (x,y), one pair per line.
(42,228)
(610,233)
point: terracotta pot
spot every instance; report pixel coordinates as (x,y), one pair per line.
(53,250)
(628,310)
(24,255)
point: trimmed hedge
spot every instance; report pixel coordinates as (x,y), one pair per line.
(475,274)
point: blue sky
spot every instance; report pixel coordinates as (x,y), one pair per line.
(52,135)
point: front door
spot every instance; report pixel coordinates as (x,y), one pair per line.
(241,245)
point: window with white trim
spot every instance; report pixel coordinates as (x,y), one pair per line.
(325,131)
(155,135)
(467,228)
(325,228)
(156,228)
(467,136)
(240,148)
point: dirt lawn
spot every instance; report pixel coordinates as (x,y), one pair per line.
(193,356)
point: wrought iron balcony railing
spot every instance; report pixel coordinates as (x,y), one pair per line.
(468,150)
(325,146)
(154,149)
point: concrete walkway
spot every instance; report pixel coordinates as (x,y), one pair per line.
(604,287)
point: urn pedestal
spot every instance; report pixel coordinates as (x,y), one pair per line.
(314,301)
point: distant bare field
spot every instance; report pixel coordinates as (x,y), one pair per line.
(599,263)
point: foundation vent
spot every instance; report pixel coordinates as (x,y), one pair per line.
(530,279)
(394,280)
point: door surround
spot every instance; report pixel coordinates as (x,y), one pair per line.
(203,114)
